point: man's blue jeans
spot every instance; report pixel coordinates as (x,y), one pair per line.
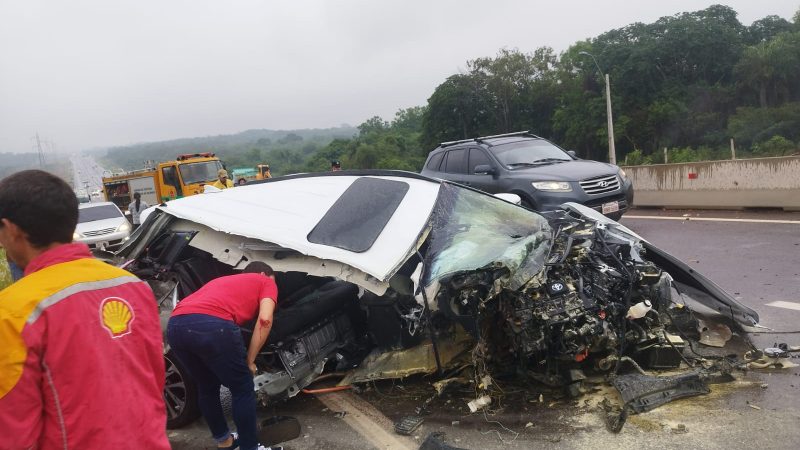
(214,354)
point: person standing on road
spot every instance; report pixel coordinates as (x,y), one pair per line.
(82,363)
(136,207)
(222,180)
(204,334)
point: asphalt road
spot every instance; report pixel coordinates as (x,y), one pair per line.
(757,262)
(86,174)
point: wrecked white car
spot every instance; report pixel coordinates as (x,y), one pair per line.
(385,274)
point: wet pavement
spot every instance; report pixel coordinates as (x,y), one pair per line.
(757,262)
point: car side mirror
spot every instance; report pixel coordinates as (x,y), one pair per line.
(484,169)
(572,153)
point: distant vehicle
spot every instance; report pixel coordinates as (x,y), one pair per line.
(83,196)
(259,172)
(168,180)
(101,225)
(544,175)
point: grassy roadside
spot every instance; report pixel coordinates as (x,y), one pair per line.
(5,273)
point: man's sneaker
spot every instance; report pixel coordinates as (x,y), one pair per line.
(274,447)
(235,443)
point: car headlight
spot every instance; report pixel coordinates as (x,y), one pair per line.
(623,175)
(124,227)
(76,236)
(553,186)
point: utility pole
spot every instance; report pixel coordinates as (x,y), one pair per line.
(41,153)
(733,150)
(612,151)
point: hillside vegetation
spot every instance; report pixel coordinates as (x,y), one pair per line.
(688,82)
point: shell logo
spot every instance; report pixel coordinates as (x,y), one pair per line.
(116,315)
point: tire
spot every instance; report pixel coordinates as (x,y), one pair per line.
(180,394)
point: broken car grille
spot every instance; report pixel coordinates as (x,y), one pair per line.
(600,185)
(99,232)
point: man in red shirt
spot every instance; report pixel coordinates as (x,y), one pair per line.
(205,336)
(81,364)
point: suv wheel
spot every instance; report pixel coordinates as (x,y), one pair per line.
(180,394)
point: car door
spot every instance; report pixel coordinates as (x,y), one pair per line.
(485,182)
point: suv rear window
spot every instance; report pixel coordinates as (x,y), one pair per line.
(436,159)
(357,218)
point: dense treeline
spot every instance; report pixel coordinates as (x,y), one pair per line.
(688,82)
(287,151)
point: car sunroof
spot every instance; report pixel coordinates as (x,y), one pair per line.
(357,218)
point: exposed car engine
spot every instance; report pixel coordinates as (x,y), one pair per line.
(581,308)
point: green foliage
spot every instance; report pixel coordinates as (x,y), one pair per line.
(636,158)
(285,151)
(775,146)
(5,272)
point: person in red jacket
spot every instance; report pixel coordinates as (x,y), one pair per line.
(82,363)
(204,334)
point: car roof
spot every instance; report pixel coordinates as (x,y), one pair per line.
(287,211)
(489,141)
(94,204)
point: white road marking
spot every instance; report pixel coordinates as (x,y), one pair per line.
(711,219)
(367,421)
(785,305)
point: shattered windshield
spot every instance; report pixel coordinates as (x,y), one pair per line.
(473,230)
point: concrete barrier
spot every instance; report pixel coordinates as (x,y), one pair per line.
(736,184)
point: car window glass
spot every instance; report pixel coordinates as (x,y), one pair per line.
(98,213)
(433,164)
(171,178)
(456,161)
(357,218)
(478,157)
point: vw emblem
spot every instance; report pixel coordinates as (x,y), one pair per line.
(603,183)
(557,287)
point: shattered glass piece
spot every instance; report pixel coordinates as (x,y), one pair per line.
(644,392)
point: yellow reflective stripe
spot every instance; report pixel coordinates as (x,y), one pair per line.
(76,289)
(23,302)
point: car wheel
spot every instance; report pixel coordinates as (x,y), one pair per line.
(180,394)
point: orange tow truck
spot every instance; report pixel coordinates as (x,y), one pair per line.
(168,180)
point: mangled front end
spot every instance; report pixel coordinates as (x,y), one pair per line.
(551,296)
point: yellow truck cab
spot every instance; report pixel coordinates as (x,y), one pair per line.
(168,180)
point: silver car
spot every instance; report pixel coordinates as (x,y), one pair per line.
(101,225)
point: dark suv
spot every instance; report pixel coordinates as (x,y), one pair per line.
(540,172)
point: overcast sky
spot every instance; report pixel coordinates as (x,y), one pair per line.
(88,73)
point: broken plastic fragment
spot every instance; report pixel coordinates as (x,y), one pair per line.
(713,334)
(479,403)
